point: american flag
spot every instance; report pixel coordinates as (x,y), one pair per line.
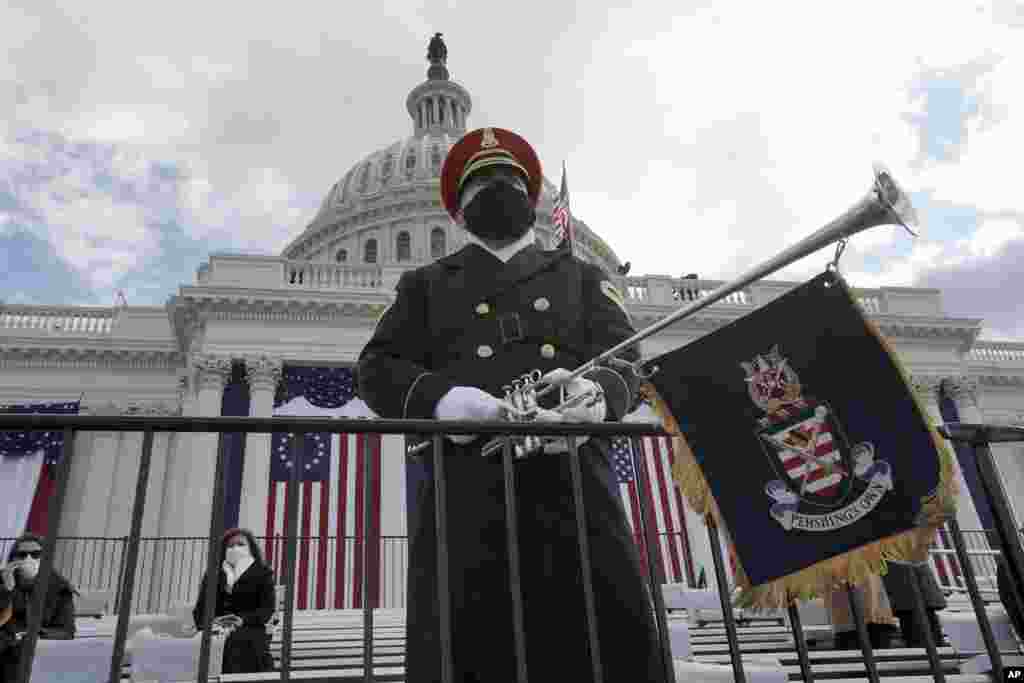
(664,500)
(330,565)
(561,216)
(28,462)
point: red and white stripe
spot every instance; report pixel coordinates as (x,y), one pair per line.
(667,508)
(330,563)
(820,481)
(560,218)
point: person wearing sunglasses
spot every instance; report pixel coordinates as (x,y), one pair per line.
(18,584)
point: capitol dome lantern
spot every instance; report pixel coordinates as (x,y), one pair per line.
(439,105)
(386,210)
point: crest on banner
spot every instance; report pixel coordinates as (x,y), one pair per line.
(824,482)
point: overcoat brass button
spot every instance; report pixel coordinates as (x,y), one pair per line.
(548,351)
(482,308)
(541,304)
(484,351)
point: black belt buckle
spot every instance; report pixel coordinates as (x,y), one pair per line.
(511,328)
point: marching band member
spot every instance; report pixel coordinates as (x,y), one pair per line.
(17,586)
(458,331)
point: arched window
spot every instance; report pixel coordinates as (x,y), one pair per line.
(370,251)
(410,163)
(403,247)
(341,256)
(437,243)
(435,158)
(388,166)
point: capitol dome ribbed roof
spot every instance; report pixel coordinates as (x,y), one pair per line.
(408,162)
(396,188)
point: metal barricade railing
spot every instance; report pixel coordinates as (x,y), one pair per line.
(978,436)
(301,427)
(173,566)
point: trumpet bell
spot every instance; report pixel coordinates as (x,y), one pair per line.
(891,196)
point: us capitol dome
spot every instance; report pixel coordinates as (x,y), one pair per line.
(386,209)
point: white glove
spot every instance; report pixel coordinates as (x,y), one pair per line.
(583,412)
(580,413)
(469,403)
(7,575)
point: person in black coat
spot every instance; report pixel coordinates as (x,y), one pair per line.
(458,331)
(901,596)
(17,586)
(245,603)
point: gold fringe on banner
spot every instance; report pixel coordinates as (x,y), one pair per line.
(852,567)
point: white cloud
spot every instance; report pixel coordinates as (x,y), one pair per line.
(991,237)
(261,213)
(698,139)
(101,238)
(140,125)
(783,109)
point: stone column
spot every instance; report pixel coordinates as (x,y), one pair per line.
(212,373)
(122,485)
(99,464)
(89,558)
(149,560)
(166,588)
(77,498)
(964,391)
(263,373)
(926,388)
(122,498)
(78,503)
(175,474)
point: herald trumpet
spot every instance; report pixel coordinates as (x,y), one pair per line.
(884,204)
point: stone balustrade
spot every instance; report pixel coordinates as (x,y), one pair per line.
(77,321)
(339,276)
(1001,353)
(655,290)
(271,272)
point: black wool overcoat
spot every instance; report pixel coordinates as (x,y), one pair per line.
(469,319)
(252,598)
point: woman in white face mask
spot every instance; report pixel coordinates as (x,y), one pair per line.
(245,603)
(18,583)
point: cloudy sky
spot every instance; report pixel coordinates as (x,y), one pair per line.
(136,138)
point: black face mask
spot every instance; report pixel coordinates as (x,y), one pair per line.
(499,213)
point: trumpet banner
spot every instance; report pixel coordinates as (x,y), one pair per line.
(796,429)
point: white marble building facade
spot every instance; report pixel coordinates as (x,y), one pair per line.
(317,303)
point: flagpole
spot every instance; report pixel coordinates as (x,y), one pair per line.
(561,217)
(569,241)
